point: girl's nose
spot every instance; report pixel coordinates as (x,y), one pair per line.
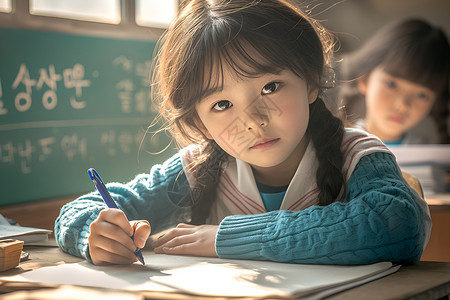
(258,113)
(402,103)
(253,125)
(256,118)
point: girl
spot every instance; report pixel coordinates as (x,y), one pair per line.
(265,171)
(402,73)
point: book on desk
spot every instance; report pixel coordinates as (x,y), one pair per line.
(29,235)
(430,164)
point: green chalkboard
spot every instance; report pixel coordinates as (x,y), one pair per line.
(68,103)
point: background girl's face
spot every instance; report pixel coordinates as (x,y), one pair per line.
(260,120)
(393,105)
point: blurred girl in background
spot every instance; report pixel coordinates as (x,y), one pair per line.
(401,77)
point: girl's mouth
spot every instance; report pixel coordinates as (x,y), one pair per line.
(262,144)
(397,119)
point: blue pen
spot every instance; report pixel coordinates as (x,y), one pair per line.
(110,203)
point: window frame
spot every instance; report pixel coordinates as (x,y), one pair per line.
(20,17)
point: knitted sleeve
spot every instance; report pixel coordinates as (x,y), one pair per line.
(381,221)
(161,197)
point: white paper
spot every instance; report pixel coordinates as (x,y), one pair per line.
(421,154)
(207,276)
(27,234)
(3,220)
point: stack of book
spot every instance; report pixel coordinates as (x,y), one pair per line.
(29,235)
(430,164)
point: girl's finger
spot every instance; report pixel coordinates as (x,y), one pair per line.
(182,249)
(170,235)
(112,232)
(117,217)
(113,246)
(102,257)
(179,240)
(142,231)
(184,225)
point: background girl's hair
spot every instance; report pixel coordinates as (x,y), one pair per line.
(410,49)
(250,38)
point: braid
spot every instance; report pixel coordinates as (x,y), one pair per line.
(207,175)
(327,132)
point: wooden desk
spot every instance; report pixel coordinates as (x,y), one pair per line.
(43,214)
(438,248)
(422,280)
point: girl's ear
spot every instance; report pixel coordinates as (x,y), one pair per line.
(362,84)
(202,128)
(313,92)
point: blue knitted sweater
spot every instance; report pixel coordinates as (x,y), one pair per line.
(380,222)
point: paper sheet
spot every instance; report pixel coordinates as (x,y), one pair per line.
(208,276)
(27,234)
(421,154)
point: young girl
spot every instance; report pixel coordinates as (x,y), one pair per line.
(265,172)
(402,73)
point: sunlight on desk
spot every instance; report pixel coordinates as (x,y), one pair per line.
(422,280)
(73,292)
(216,277)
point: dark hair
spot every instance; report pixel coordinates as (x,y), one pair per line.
(411,49)
(252,38)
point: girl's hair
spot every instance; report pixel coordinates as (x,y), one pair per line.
(411,49)
(250,38)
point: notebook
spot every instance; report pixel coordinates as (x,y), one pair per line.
(200,276)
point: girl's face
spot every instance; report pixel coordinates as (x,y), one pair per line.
(260,120)
(393,105)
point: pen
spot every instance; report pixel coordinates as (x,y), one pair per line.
(110,203)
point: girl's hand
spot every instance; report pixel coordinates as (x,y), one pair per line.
(188,239)
(110,238)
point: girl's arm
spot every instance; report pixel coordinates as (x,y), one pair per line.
(161,197)
(381,222)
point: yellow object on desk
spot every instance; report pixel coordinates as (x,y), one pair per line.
(10,251)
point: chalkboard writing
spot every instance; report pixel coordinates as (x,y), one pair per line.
(68,103)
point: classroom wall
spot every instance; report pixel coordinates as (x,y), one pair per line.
(71,99)
(354,21)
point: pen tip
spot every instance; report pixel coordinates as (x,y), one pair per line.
(139,256)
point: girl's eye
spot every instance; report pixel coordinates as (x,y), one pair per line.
(222,105)
(270,88)
(391,84)
(422,96)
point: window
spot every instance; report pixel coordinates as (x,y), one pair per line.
(5,6)
(155,13)
(106,11)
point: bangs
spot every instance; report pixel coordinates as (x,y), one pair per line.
(416,65)
(245,52)
(239,58)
